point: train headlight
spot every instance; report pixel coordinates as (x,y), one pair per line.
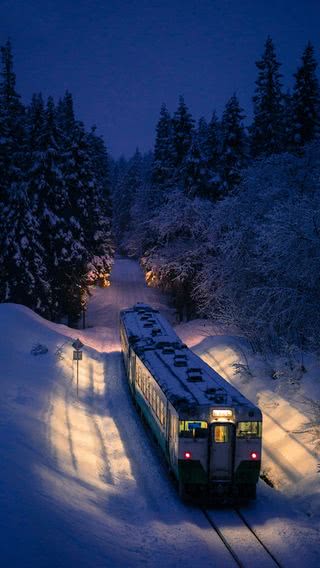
(254,455)
(187,455)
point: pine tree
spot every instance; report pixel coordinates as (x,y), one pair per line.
(20,260)
(128,189)
(305,118)
(214,142)
(267,127)
(202,135)
(24,278)
(100,209)
(287,121)
(49,197)
(233,156)
(163,165)
(195,170)
(183,126)
(214,156)
(12,134)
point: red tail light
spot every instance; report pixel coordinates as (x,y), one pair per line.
(187,455)
(254,455)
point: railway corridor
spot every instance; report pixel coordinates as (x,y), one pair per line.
(111,476)
(109,472)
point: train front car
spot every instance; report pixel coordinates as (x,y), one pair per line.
(209,432)
(219,453)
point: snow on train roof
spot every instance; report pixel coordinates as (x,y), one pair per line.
(182,375)
(145,323)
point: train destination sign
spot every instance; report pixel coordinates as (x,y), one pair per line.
(222,413)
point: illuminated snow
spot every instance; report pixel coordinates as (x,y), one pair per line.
(81,483)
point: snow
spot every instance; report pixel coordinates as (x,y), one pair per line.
(290,459)
(81,482)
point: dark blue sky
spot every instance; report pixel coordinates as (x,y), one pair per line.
(122,59)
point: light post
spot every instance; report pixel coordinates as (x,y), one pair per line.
(77,356)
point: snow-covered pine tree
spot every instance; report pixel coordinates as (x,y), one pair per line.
(183,127)
(101,239)
(24,278)
(233,154)
(128,188)
(214,156)
(50,202)
(163,155)
(202,135)
(12,133)
(118,171)
(267,127)
(23,273)
(287,121)
(195,170)
(305,117)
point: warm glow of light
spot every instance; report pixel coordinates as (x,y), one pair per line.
(85,441)
(254,456)
(151,278)
(187,455)
(221,413)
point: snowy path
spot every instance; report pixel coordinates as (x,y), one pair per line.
(81,483)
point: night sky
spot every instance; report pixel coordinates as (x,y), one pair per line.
(122,59)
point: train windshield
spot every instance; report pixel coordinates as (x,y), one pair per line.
(221,433)
(193,429)
(249,429)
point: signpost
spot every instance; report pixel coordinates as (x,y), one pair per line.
(77,356)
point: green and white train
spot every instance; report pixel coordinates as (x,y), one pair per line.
(209,432)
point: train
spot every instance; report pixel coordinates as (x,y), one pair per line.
(209,433)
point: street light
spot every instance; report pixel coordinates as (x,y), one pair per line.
(77,356)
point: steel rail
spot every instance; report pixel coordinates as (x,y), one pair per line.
(224,540)
(244,520)
(228,545)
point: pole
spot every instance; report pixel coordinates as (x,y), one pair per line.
(77,377)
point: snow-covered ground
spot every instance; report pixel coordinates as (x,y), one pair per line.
(291,441)
(82,484)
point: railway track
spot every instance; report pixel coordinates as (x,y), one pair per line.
(241,540)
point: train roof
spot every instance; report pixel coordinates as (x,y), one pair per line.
(184,377)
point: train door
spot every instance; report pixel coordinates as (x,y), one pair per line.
(221,450)
(172,435)
(132,370)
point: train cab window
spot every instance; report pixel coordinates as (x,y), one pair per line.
(221,434)
(193,429)
(249,430)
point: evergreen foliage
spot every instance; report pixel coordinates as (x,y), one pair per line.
(12,142)
(129,186)
(305,101)
(55,209)
(267,126)
(183,126)
(224,229)
(163,156)
(233,153)
(195,170)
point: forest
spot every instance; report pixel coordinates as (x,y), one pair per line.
(225,216)
(55,209)
(222,215)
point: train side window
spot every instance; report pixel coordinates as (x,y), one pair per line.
(249,430)
(193,429)
(173,427)
(221,434)
(161,412)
